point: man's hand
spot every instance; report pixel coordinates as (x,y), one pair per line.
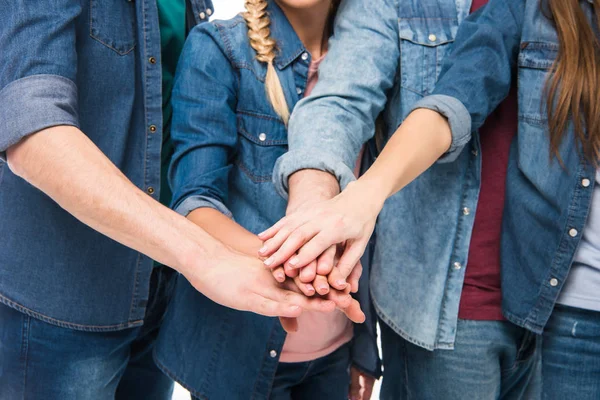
(361,385)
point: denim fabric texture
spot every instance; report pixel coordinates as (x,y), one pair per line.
(72,62)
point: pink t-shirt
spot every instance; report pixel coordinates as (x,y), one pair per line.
(319,334)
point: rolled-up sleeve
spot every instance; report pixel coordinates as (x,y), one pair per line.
(204,128)
(38,72)
(328,128)
(479,72)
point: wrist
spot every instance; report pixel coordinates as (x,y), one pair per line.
(371,195)
(309,186)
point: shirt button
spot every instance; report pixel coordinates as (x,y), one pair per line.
(273,353)
(152,128)
(573,232)
(304,56)
(466,211)
(202,15)
(262,137)
(150,190)
(457,265)
(585,182)
(208,12)
(152,60)
(298,90)
(474,152)
(432,38)
(553,282)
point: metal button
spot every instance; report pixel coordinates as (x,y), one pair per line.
(573,232)
(585,182)
(304,56)
(150,190)
(457,265)
(432,38)
(208,12)
(262,137)
(202,15)
(273,353)
(298,90)
(553,282)
(466,211)
(474,152)
(152,60)
(152,128)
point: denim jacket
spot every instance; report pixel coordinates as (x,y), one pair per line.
(71,62)
(547,204)
(227,138)
(384,57)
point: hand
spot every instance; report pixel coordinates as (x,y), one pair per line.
(349,217)
(243,283)
(361,385)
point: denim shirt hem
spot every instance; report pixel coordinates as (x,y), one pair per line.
(458,117)
(69,325)
(33,103)
(296,160)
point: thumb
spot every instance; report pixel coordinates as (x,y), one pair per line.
(351,256)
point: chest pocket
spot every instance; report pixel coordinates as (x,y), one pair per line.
(424,43)
(262,140)
(535,61)
(112,23)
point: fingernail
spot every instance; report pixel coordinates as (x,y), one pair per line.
(310,288)
(339,282)
(269,261)
(263,250)
(294,308)
(323,287)
(280,277)
(294,261)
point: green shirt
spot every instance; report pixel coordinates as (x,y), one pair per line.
(171,15)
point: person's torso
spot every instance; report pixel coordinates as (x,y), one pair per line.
(53,266)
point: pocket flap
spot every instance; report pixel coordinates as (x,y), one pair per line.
(428,31)
(263,130)
(538,55)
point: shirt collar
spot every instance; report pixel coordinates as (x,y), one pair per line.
(289,45)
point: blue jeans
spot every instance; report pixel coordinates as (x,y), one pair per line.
(43,361)
(571,355)
(324,378)
(491,360)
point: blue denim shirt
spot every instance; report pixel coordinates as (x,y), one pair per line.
(70,62)
(384,57)
(227,138)
(547,205)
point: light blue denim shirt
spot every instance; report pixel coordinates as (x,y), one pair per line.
(384,57)
(95,65)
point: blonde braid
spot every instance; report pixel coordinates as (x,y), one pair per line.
(261,41)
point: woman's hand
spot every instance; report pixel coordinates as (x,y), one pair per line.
(361,385)
(303,236)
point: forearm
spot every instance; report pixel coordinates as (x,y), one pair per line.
(423,138)
(226,230)
(309,186)
(63,163)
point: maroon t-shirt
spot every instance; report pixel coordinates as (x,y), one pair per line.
(481,296)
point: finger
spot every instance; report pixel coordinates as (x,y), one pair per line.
(352,254)
(354,277)
(326,261)
(318,241)
(290,325)
(291,272)
(279,274)
(287,251)
(269,233)
(306,288)
(342,300)
(271,308)
(309,304)
(354,312)
(321,285)
(337,280)
(354,392)
(368,384)
(308,273)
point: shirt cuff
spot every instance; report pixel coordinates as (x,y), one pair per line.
(33,103)
(458,117)
(296,160)
(194,202)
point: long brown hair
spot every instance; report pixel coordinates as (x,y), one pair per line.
(258,22)
(573,88)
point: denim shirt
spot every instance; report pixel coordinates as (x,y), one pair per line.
(70,62)
(227,138)
(547,205)
(384,57)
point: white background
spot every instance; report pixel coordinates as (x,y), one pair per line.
(226,9)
